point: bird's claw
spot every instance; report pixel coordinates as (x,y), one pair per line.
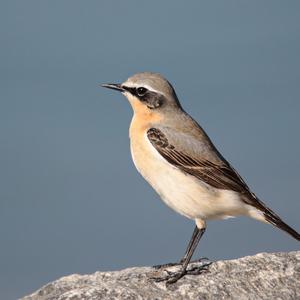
(173,277)
(197,270)
(164,266)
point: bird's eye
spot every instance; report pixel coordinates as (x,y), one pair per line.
(141,91)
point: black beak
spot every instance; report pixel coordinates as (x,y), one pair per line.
(114,86)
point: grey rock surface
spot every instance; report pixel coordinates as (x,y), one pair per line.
(263,276)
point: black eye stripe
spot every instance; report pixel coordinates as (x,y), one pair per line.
(139,91)
(151,99)
(129,89)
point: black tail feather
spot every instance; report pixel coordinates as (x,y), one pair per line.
(275,220)
(272,218)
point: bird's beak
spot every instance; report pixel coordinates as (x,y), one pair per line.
(113,86)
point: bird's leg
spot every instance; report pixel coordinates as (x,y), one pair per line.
(188,249)
(173,277)
(195,232)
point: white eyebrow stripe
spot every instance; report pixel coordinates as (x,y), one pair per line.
(148,87)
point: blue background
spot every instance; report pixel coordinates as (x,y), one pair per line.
(71,200)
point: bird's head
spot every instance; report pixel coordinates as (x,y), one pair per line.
(148,93)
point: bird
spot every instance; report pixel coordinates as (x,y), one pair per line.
(178,159)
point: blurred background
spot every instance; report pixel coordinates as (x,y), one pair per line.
(64,140)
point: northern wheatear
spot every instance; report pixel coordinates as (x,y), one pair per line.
(177,158)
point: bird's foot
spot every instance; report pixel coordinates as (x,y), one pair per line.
(164,266)
(173,277)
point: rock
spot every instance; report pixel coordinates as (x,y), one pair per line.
(262,276)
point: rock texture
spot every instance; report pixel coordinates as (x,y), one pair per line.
(263,276)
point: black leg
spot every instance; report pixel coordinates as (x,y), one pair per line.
(191,242)
(173,277)
(187,258)
(195,232)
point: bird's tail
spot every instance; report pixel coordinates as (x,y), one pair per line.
(275,220)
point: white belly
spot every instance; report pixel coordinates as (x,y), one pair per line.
(182,192)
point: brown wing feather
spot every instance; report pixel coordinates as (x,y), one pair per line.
(221,176)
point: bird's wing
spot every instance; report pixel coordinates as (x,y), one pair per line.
(199,158)
(196,158)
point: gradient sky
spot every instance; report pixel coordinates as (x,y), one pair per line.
(71,200)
